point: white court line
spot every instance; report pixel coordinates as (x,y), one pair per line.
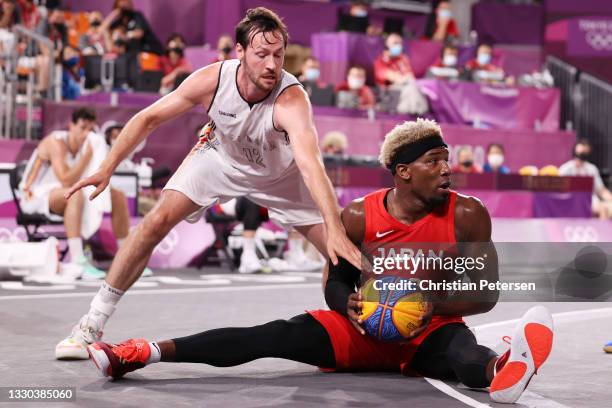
(167,291)
(451,392)
(539,400)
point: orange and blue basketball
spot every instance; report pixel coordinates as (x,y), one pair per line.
(391,315)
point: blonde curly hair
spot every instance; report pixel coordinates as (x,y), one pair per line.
(404,134)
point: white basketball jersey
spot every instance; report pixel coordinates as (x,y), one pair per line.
(244,133)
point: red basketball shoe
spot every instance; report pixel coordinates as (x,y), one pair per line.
(116,360)
(529,349)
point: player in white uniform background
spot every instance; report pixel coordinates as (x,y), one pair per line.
(261,143)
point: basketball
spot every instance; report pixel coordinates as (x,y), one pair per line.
(391,315)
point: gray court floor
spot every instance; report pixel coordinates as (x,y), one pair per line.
(33,318)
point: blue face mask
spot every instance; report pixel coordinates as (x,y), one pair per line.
(71,62)
(483,59)
(312,74)
(445,14)
(395,50)
(360,13)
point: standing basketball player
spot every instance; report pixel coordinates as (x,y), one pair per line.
(261,143)
(420,208)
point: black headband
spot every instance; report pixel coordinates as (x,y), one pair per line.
(413,151)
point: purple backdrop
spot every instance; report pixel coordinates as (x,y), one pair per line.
(590,37)
(461,102)
(508,23)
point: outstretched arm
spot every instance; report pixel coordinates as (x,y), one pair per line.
(293,113)
(197,89)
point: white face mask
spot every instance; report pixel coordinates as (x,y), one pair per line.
(449,60)
(355,83)
(495,159)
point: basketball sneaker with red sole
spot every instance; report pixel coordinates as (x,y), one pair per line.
(116,360)
(530,347)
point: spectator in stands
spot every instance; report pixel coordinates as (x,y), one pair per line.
(30,15)
(311,72)
(442,26)
(392,67)
(93,42)
(71,72)
(9,14)
(354,88)
(117,41)
(465,161)
(447,65)
(54,28)
(334,142)
(357,18)
(481,69)
(140,36)
(225,46)
(178,39)
(173,65)
(495,160)
(580,166)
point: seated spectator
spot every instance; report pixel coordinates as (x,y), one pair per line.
(442,26)
(580,166)
(392,67)
(447,65)
(60,160)
(93,42)
(173,65)
(481,69)
(334,143)
(311,72)
(140,36)
(355,89)
(225,46)
(356,20)
(117,42)
(30,15)
(71,72)
(9,14)
(495,160)
(465,161)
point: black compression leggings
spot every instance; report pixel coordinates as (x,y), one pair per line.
(300,338)
(450,352)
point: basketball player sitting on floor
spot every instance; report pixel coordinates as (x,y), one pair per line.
(420,208)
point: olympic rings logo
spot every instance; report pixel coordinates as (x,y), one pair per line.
(599,40)
(167,245)
(18,234)
(580,234)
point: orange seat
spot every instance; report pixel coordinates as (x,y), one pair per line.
(149,61)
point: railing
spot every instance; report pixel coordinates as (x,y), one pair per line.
(565,77)
(32,45)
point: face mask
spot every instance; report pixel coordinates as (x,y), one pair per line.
(226,50)
(483,59)
(450,60)
(176,50)
(360,13)
(95,23)
(445,14)
(355,83)
(71,62)
(581,156)
(395,50)
(312,74)
(495,159)
(467,163)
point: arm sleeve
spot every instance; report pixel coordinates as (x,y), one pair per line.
(341,283)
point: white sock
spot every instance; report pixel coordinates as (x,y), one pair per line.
(296,246)
(103,304)
(155,356)
(120,242)
(75,246)
(248,246)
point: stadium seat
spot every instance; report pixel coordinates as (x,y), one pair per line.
(32,222)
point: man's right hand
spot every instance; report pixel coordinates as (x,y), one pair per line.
(99,179)
(353,310)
